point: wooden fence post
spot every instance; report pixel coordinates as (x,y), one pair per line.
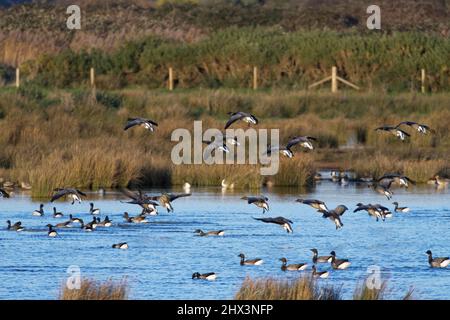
(17,77)
(170,78)
(255,78)
(92,77)
(423,76)
(334,83)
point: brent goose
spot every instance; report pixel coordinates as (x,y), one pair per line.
(339,264)
(138,219)
(395,131)
(382,188)
(75,220)
(3,193)
(335,215)
(93,210)
(165,200)
(71,193)
(145,123)
(319,259)
(66,224)
(215,145)
(292,267)
(372,210)
(244,116)
(209,233)
(260,202)
(251,262)
(421,128)
(121,245)
(319,274)
(57,214)
(285,151)
(148,205)
(15,227)
(316,204)
(437,262)
(210,276)
(304,141)
(400,209)
(39,212)
(105,223)
(285,223)
(51,232)
(400,179)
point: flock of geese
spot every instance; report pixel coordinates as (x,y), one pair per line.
(149,203)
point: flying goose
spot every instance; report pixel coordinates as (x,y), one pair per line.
(395,131)
(209,233)
(138,219)
(400,179)
(304,141)
(285,223)
(15,227)
(39,212)
(339,264)
(421,128)
(319,274)
(335,215)
(260,202)
(437,262)
(71,193)
(316,204)
(371,210)
(210,276)
(145,123)
(292,267)
(3,193)
(319,259)
(215,145)
(244,116)
(51,232)
(382,188)
(228,139)
(165,200)
(120,245)
(92,210)
(400,209)
(285,151)
(57,214)
(252,262)
(148,205)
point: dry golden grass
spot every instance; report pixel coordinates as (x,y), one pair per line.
(363,292)
(96,290)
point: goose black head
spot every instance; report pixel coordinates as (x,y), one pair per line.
(195,275)
(241,255)
(333,253)
(428,252)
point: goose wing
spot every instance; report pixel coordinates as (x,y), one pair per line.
(173,197)
(234,117)
(60,193)
(4,193)
(133,122)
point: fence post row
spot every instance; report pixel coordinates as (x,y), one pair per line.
(92,77)
(255,78)
(170,78)
(423,77)
(17,77)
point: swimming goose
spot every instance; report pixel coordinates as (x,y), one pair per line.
(395,131)
(105,223)
(145,123)
(3,193)
(339,264)
(304,141)
(252,262)
(39,212)
(15,227)
(319,274)
(93,210)
(285,223)
(75,220)
(437,262)
(319,259)
(244,116)
(292,267)
(335,215)
(285,151)
(137,219)
(51,232)
(400,179)
(421,128)
(383,189)
(438,181)
(148,205)
(91,225)
(209,233)
(384,211)
(260,202)
(316,204)
(71,193)
(371,210)
(400,209)
(165,200)
(121,245)
(210,276)
(57,214)
(66,224)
